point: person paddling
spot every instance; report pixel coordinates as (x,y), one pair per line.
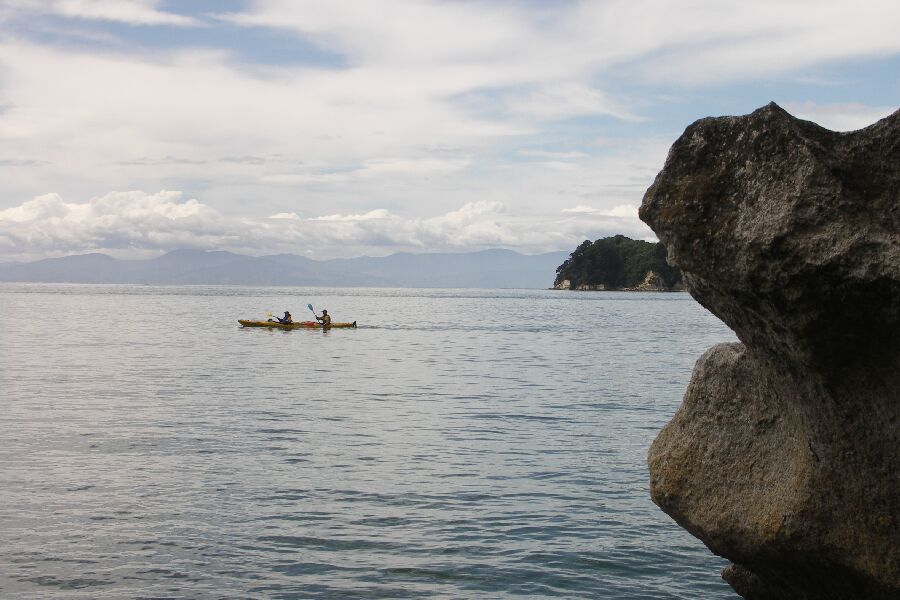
(325,318)
(286,320)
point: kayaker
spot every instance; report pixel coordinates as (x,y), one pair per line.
(286,320)
(325,318)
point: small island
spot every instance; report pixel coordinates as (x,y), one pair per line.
(618,263)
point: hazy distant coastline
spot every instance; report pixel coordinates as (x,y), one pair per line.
(485,269)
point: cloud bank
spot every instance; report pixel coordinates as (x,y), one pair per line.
(136,223)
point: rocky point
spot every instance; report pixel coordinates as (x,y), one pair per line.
(785,454)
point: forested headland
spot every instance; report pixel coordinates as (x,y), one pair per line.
(618,263)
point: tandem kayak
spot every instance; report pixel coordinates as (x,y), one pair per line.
(297,325)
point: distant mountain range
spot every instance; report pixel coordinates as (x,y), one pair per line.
(485,269)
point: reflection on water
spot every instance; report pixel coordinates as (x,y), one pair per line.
(459,444)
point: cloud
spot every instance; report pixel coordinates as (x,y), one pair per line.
(554,155)
(425,165)
(491,45)
(378,213)
(563,101)
(144,161)
(581,209)
(165,119)
(133,12)
(21,162)
(524,64)
(696,42)
(840,116)
(421,107)
(48,225)
(372,169)
(135,223)
(625,211)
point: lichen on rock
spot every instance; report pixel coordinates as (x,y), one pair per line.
(785,454)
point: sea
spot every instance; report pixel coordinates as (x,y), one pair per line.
(460,443)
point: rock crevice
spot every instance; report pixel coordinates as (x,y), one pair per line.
(785,454)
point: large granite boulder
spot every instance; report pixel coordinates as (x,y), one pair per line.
(785,454)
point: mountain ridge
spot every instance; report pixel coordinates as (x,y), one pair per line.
(489,268)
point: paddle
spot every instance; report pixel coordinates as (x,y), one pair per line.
(309,306)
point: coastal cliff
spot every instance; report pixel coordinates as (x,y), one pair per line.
(785,454)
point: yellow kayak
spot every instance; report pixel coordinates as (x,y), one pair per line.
(295,325)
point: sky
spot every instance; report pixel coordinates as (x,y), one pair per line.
(348,128)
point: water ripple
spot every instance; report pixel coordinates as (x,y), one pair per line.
(459,444)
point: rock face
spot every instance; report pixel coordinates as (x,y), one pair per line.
(785,454)
(652,283)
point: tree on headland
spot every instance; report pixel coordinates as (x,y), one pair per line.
(615,263)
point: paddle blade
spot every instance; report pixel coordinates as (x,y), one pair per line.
(309,306)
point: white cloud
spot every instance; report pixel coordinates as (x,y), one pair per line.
(118,220)
(839,117)
(134,223)
(378,213)
(112,121)
(554,155)
(393,166)
(562,101)
(427,106)
(371,169)
(581,209)
(10,9)
(498,44)
(625,211)
(698,42)
(132,12)
(485,44)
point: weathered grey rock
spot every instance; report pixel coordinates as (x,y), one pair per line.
(785,454)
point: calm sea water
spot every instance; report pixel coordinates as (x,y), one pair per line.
(459,444)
